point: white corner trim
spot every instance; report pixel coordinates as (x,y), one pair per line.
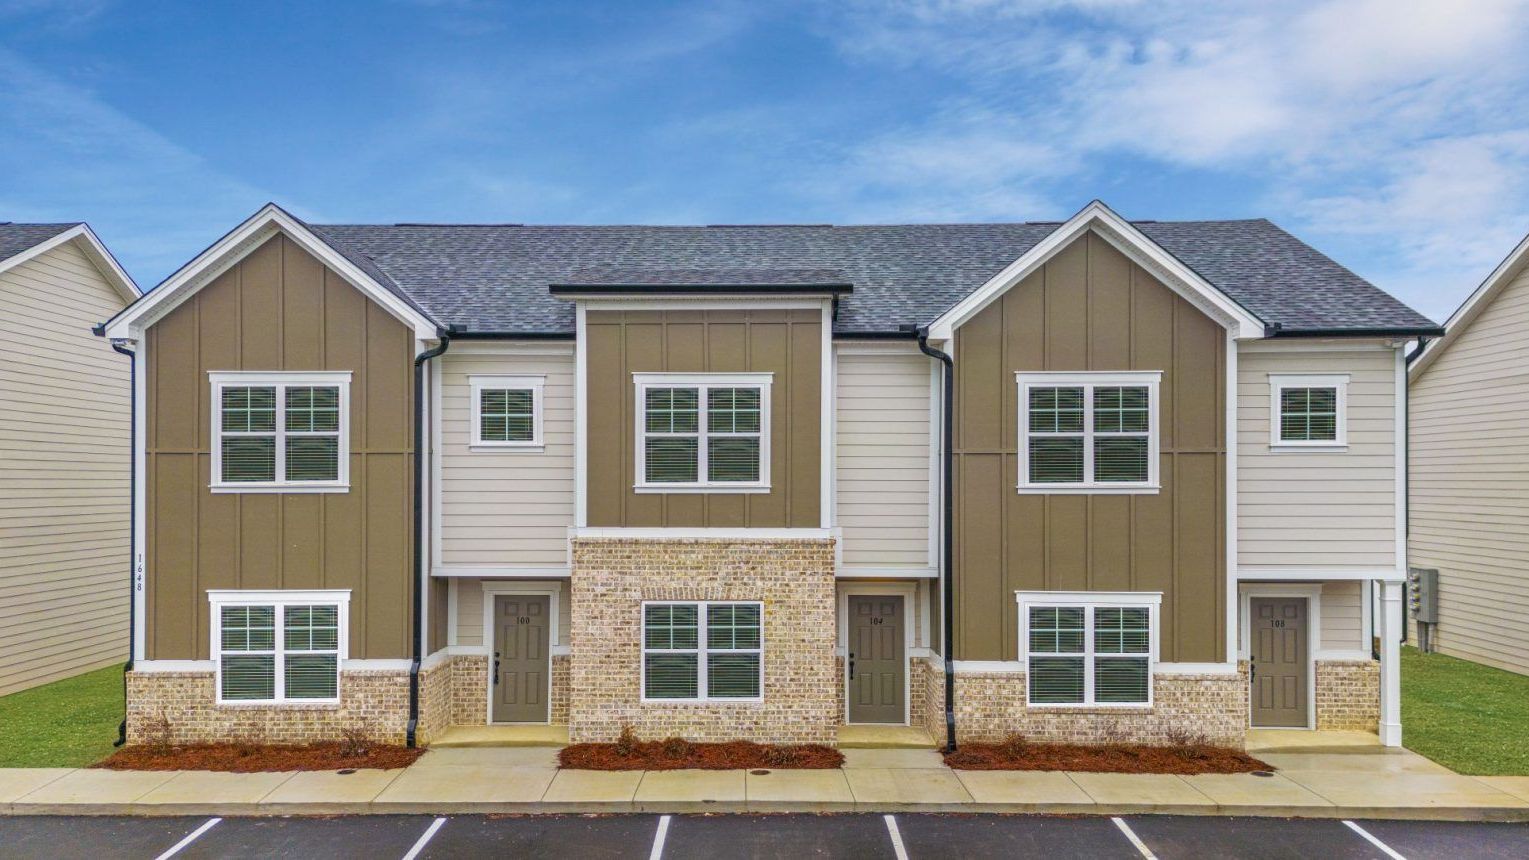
(1401,444)
(1090,598)
(242,597)
(989,667)
(1129,240)
(499,571)
(94,250)
(580,423)
(477,384)
(1195,669)
(1307,574)
(234,246)
(858,572)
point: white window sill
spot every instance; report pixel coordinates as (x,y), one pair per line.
(279,488)
(508,447)
(702,701)
(1089,489)
(701,489)
(1081,707)
(1309,447)
(284,704)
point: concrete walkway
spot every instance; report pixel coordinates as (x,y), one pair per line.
(1376,784)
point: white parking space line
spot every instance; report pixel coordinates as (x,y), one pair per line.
(190,838)
(1135,840)
(897,838)
(1390,852)
(424,839)
(658,838)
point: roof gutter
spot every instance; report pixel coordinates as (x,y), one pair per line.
(1278,330)
(418,609)
(513,335)
(947,510)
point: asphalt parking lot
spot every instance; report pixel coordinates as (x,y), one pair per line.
(790,837)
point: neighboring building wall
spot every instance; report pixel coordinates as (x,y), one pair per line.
(1090,308)
(1469,434)
(793,578)
(279,309)
(883,457)
(504,508)
(64,472)
(1318,509)
(788,343)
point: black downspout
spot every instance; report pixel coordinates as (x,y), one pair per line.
(947,549)
(132,530)
(419,529)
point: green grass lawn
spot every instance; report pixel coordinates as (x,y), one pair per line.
(1470,718)
(68,723)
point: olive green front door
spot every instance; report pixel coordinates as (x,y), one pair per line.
(522,659)
(1279,666)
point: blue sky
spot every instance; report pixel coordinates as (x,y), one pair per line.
(1392,134)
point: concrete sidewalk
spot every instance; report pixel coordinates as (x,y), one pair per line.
(1377,783)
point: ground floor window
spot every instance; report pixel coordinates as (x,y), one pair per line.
(279,646)
(701,651)
(1089,649)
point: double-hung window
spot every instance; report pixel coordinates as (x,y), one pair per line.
(1088,432)
(1308,411)
(507,411)
(279,646)
(703,432)
(280,432)
(1089,648)
(707,651)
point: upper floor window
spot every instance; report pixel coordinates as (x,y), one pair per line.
(1308,411)
(1089,648)
(1088,432)
(281,431)
(507,411)
(278,646)
(706,431)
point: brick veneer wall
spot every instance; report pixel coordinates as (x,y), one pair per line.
(932,713)
(990,707)
(559,706)
(1348,695)
(469,690)
(374,702)
(793,578)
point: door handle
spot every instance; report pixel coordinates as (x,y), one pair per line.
(852,665)
(496,668)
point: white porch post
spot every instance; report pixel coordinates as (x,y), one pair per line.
(1390,664)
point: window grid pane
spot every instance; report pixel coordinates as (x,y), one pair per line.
(677,664)
(1113,441)
(303,648)
(507,415)
(1309,414)
(1116,669)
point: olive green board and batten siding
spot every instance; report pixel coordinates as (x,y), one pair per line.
(1091,309)
(279,309)
(787,343)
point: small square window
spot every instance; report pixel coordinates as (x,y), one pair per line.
(1308,412)
(507,412)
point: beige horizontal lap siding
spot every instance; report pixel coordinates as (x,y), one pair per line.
(1469,476)
(882,459)
(1318,509)
(470,609)
(64,475)
(506,508)
(1343,616)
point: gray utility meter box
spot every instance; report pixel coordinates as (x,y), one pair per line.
(1423,594)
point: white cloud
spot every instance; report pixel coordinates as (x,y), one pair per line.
(66,156)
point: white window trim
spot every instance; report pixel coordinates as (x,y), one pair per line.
(479,384)
(1091,600)
(1278,382)
(701,650)
(701,381)
(1150,379)
(219,379)
(219,598)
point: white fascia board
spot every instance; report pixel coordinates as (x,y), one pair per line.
(1472,307)
(237,244)
(1134,244)
(93,249)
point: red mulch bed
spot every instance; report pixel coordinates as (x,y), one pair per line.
(676,754)
(1185,759)
(253,758)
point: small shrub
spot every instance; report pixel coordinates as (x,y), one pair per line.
(1015,744)
(157,733)
(676,748)
(355,741)
(781,756)
(627,743)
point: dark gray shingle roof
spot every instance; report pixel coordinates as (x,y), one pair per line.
(15,238)
(495,278)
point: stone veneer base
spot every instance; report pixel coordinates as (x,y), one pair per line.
(792,578)
(1348,695)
